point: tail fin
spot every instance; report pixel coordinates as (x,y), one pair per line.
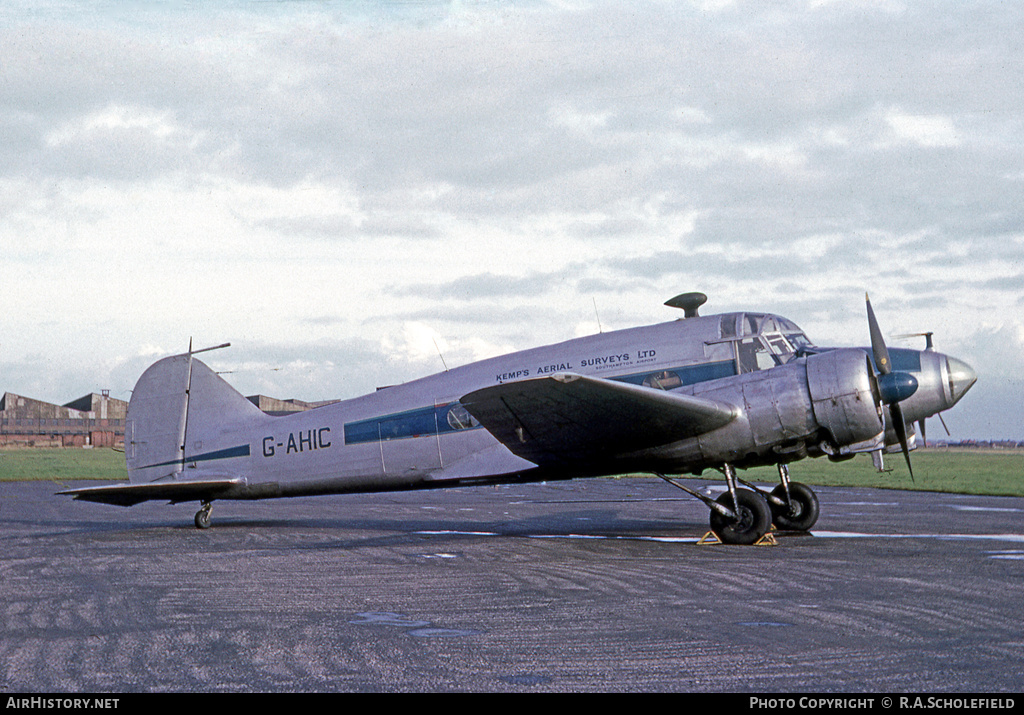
(182,417)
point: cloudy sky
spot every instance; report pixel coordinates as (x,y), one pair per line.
(338,187)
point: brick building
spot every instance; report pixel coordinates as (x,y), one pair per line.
(93,420)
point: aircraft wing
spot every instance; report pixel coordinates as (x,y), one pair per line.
(570,418)
(130,494)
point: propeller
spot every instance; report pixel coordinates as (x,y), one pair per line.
(893,387)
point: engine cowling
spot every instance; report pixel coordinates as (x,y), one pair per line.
(844,395)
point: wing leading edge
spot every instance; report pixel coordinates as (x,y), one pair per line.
(573,419)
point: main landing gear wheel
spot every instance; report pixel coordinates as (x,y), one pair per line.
(754,517)
(203,516)
(802,512)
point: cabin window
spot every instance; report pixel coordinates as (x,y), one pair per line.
(424,422)
(459,418)
(666,380)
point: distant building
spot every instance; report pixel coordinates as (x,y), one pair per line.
(279,408)
(90,421)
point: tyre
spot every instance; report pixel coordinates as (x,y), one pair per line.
(803,509)
(203,519)
(752,522)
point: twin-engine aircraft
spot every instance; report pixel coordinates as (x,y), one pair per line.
(724,392)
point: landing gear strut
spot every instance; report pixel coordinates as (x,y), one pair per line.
(739,516)
(743,516)
(203,515)
(794,505)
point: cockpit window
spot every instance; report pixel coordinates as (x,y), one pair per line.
(728,326)
(766,341)
(799,341)
(754,355)
(787,326)
(779,344)
(752,324)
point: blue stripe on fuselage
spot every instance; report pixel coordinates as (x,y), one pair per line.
(230,453)
(433,421)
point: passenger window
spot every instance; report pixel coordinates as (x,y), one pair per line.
(459,418)
(663,381)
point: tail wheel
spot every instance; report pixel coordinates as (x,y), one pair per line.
(752,521)
(203,516)
(802,512)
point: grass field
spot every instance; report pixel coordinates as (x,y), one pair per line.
(964,472)
(61,464)
(991,472)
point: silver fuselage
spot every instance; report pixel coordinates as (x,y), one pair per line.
(793,400)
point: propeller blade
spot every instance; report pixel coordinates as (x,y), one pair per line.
(900,426)
(878,347)
(944,425)
(892,387)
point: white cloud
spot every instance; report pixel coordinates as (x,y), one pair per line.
(577,121)
(286,176)
(159,125)
(923,130)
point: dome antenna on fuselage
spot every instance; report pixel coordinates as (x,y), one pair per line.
(688,302)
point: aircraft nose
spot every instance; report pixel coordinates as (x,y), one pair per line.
(961,378)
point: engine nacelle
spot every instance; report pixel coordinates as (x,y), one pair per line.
(843,395)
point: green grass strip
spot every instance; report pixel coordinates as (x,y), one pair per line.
(61,465)
(992,472)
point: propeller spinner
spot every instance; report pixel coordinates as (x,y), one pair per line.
(893,387)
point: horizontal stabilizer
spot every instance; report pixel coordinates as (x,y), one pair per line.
(572,419)
(130,494)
